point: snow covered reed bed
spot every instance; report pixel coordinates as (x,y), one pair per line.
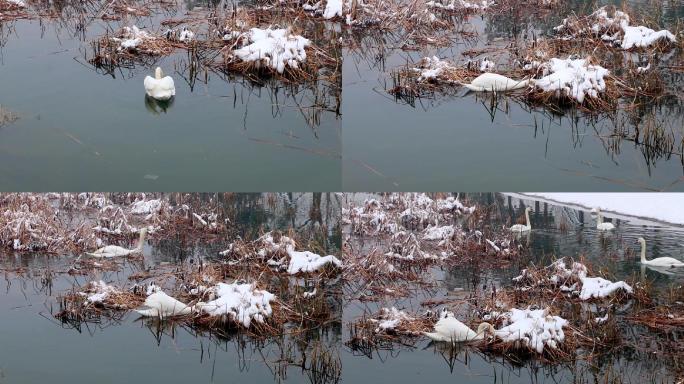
(284,53)
(129,45)
(611,26)
(571,280)
(394,241)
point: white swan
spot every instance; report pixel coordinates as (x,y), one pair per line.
(451,330)
(660,261)
(600,225)
(116,251)
(159,87)
(520,228)
(493,82)
(161,305)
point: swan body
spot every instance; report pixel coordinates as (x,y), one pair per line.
(660,261)
(451,330)
(111,251)
(493,82)
(161,305)
(519,228)
(600,225)
(159,87)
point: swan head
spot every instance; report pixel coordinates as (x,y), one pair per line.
(158,74)
(528,209)
(484,328)
(641,241)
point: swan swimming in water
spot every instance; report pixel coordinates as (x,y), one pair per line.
(520,228)
(660,261)
(493,82)
(161,305)
(600,225)
(159,87)
(116,251)
(451,330)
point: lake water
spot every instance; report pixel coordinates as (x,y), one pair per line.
(82,129)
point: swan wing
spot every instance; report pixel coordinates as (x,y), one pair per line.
(520,228)
(166,305)
(496,82)
(147,311)
(454,330)
(110,251)
(167,84)
(162,89)
(665,262)
(434,336)
(605,226)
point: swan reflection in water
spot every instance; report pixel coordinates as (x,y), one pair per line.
(156,107)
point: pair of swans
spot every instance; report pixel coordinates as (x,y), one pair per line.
(668,262)
(520,228)
(451,330)
(111,251)
(600,225)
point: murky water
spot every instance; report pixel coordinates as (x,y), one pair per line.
(36,346)
(614,253)
(84,129)
(460,142)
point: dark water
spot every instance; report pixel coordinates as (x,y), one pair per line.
(82,129)
(453,142)
(606,252)
(36,347)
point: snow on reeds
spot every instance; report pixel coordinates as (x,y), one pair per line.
(612,26)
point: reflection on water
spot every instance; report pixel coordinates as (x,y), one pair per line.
(156,107)
(557,231)
(493,141)
(127,348)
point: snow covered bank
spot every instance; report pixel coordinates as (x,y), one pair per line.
(664,207)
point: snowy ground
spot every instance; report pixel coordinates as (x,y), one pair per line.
(665,207)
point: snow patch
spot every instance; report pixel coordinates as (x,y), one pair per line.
(533,328)
(274,48)
(576,78)
(242,303)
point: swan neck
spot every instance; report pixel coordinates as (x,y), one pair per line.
(599,217)
(527,217)
(158,74)
(141,240)
(643,251)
